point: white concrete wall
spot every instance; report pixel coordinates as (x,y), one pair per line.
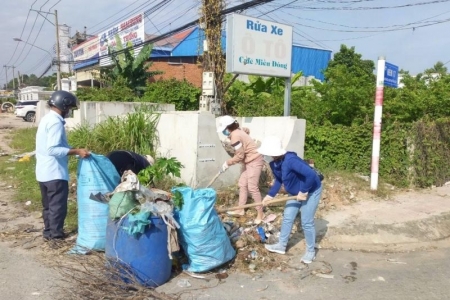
(192,138)
(94,112)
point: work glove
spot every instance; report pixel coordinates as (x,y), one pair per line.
(266,199)
(225,167)
(302,196)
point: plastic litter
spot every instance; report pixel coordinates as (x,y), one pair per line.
(183,283)
(137,223)
(262,234)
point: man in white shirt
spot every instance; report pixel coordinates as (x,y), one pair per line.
(52,170)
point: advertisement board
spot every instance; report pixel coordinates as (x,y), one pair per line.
(258,47)
(131,30)
(85,51)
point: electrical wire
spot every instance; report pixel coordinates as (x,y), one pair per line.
(369,7)
(132,13)
(29,35)
(40,29)
(194,23)
(368,31)
(122,10)
(21,34)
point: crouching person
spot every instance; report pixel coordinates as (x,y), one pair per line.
(298,179)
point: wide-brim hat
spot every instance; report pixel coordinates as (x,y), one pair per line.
(271,146)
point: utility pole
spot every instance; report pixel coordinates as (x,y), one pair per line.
(6,72)
(213,58)
(58,53)
(18,78)
(14,79)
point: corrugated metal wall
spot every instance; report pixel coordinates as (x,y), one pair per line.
(310,61)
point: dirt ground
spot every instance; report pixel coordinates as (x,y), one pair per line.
(24,274)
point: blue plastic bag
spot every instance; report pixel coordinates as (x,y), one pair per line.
(201,232)
(96,174)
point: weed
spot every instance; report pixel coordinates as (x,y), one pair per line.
(133,132)
(23,140)
(163,167)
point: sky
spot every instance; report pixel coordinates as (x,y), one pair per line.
(412,36)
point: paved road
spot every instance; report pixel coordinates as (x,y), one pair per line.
(23,278)
(363,276)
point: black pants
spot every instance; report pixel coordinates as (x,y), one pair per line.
(54,202)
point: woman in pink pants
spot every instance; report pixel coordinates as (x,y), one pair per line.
(247,154)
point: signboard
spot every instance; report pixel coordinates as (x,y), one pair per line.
(131,30)
(259,47)
(390,75)
(85,51)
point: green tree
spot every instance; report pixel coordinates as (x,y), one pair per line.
(346,95)
(438,68)
(183,94)
(260,97)
(133,69)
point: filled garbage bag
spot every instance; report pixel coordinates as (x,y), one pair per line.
(96,174)
(122,203)
(201,233)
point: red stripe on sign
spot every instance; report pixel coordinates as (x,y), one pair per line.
(375,163)
(379,96)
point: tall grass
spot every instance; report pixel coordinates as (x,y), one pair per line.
(135,132)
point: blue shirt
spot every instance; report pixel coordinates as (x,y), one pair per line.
(52,148)
(295,174)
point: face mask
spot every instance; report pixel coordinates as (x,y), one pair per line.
(226,132)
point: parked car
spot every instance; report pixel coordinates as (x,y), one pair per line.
(26,110)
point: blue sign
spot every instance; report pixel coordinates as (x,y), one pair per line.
(390,75)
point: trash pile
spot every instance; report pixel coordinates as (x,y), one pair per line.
(141,229)
(249,240)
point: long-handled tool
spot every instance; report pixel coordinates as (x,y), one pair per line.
(284,199)
(214,179)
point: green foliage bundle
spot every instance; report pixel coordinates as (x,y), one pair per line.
(162,168)
(134,132)
(183,94)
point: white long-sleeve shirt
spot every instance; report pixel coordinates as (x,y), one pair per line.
(52,149)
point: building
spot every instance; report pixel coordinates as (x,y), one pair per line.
(177,57)
(34,93)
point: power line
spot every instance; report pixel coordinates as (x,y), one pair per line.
(368,8)
(226,11)
(31,31)
(91,27)
(40,29)
(133,12)
(21,34)
(386,30)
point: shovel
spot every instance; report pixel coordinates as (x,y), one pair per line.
(214,179)
(284,199)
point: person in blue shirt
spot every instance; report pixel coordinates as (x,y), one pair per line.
(298,179)
(52,170)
